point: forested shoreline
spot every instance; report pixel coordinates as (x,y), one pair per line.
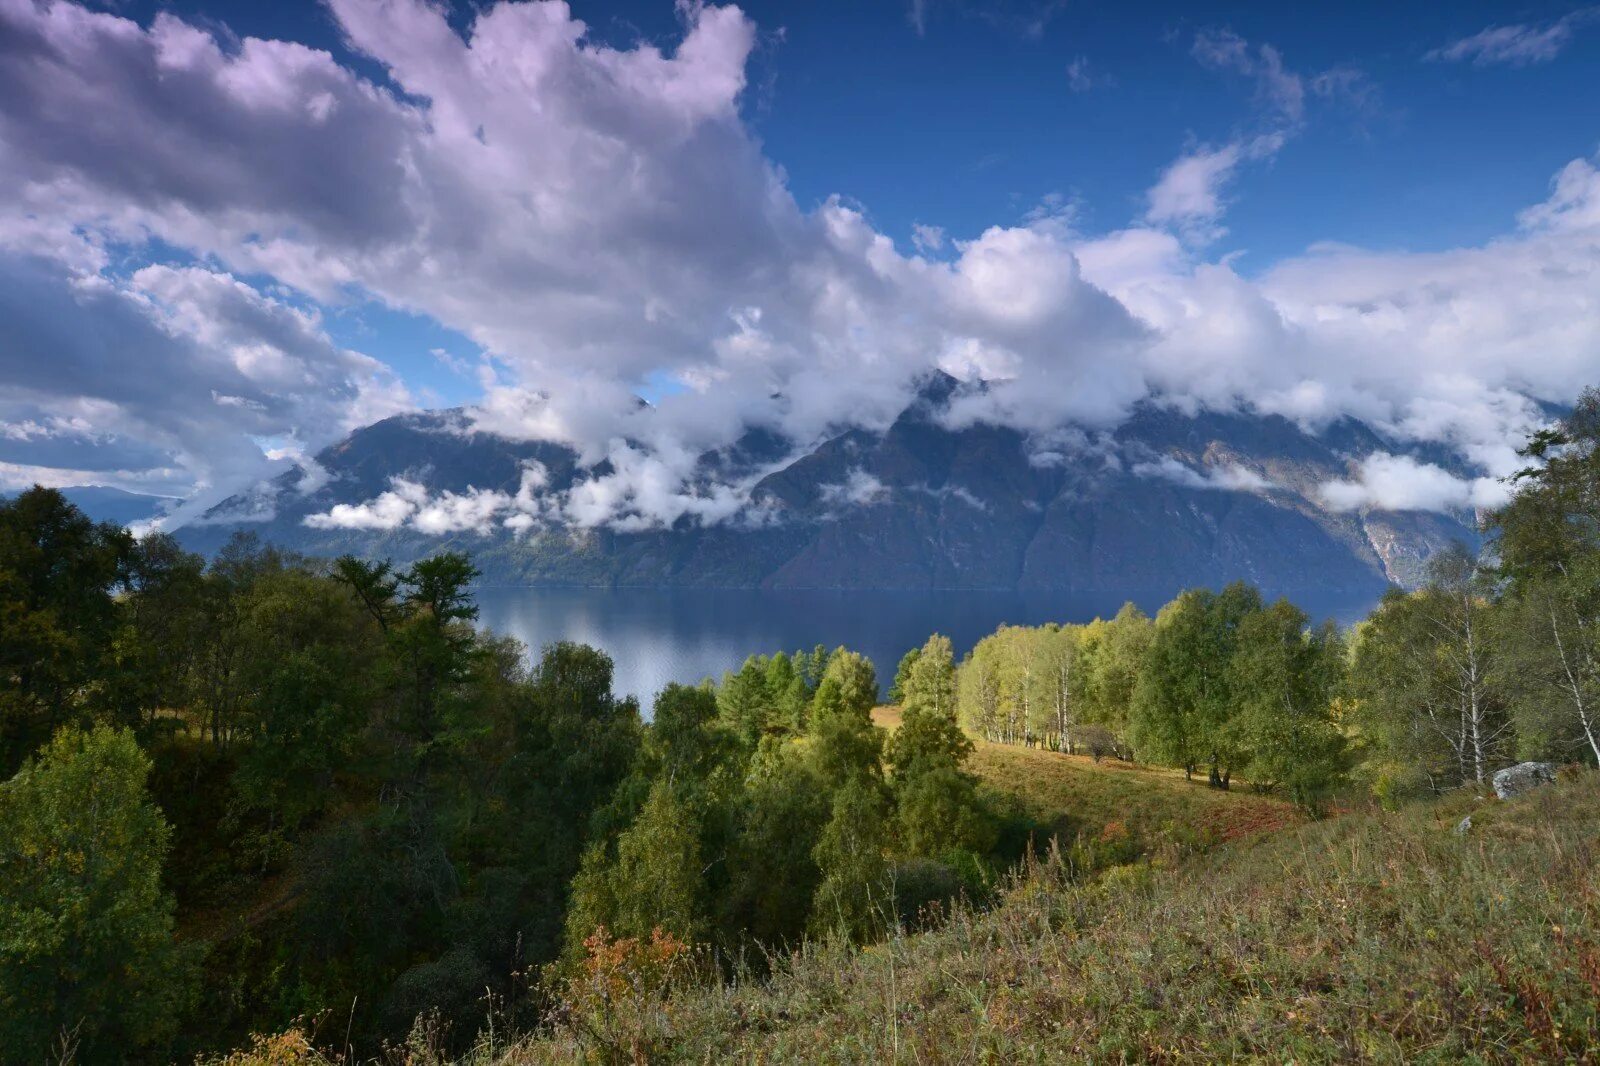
(259,792)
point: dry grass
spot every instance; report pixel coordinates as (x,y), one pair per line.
(1381,937)
(1368,937)
(1073,794)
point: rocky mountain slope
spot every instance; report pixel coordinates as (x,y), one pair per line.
(1165,501)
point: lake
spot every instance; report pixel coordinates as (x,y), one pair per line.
(656,636)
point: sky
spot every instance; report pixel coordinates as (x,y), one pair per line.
(237,231)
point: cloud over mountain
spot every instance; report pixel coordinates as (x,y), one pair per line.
(597,217)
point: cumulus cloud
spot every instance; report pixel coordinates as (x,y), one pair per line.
(1517,45)
(169,379)
(594,217)
(1189,194)
(1401,483)
(408,503)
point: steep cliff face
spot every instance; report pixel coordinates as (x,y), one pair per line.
(1164,501)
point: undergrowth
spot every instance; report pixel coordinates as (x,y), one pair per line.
(1373,936)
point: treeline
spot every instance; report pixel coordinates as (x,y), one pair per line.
(1494,660)
(1220,681)
(265,789)
(770,808)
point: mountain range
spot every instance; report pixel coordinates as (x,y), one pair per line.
(1166,500)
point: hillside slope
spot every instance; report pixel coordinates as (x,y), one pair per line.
(1385,937)
(1073,795)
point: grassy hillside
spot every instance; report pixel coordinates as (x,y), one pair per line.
(1073,794)
(1369,936)
(1381,937)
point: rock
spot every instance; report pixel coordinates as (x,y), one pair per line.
(1523,777)
(1464,825)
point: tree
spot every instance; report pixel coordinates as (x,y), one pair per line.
(788,697)
(1548,542)
(853,897)
(978,689)
(1113,654)
(161,632)
(773,870)
(902,673)
(1553,649)
(1284,678)
(1182,700)
(928,735)
(745,703)
(845,744)
(937,806)
(1056,706)
(58,574)
(655,880)
(306,648)
(86,949)
(1429,676)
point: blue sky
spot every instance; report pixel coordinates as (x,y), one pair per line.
(966,116)
(1097,202)
(973,120)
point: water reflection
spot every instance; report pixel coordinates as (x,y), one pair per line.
(660,635)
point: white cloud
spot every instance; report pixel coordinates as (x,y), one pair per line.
(1281,91)
(1082,76)
(596,216)
(1401,483)
(1516,45)
(391,510)
(859,488)
(1230,476)
(927,239)
(1189,194)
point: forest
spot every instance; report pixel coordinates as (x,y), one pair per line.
(262,792)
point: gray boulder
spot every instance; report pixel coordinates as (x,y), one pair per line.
(1523,777)
(1463,826)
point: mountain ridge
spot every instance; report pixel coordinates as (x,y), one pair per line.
(1165,499)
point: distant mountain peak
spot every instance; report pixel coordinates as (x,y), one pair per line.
(1166,499)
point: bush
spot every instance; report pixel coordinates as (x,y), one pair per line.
(616,1003)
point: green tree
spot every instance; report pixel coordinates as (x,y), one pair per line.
(853,898)
(1285,675)
(902,674)
(1431,676)
(653,882)
(787,695)
(306,650)
(162,631)
(1183,700)
(58,574)
(937,806)
(1552,645)
(978,689)
(86,949)
(773,871)
(929,736)
(745,702)
(1114,652)
(1548,542)
(845,744)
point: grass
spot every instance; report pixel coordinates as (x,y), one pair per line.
(1374,937)
(1371,936)
(1073,794)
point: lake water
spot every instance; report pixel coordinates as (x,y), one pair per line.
(660,635)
